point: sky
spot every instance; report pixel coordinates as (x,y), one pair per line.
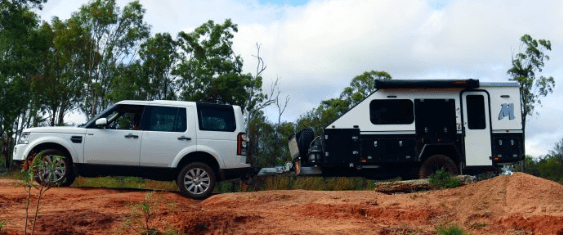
(315,47)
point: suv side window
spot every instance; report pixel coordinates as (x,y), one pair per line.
(216,117)
(124,117)
(166,119)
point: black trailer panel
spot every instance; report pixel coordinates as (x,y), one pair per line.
(507,147)
(388,148)
(342,146)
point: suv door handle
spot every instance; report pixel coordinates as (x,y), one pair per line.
(131,136)
(184,138)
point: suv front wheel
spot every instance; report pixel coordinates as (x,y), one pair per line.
(196,180)
(60,171)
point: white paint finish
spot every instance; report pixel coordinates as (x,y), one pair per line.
(110,147)
(160,148)
(360,115)
(496,104)
(62,139)
(477,141)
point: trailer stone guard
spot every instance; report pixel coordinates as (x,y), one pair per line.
(416,127)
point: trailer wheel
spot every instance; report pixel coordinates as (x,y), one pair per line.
(304,138)
(435,163)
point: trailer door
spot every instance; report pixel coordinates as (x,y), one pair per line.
(477,125)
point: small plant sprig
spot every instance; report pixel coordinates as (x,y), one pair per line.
(442,179)
(142,214)
(3,222)
(36,171)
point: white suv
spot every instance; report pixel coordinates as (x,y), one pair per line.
(196,144)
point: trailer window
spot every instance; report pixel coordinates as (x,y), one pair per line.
(476,112)
(391,112)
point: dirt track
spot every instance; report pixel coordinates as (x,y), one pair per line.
(518,204)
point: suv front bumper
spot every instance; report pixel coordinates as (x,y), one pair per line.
(18,154)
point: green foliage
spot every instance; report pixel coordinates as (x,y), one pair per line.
(362,86)
(115,36)
(451,230)
(20,59)
(549,166)
(268,142)
(209,68)
(525,66)
(442,179)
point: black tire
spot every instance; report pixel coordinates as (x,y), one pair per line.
(196,180)
(435,163)
(62,175)
(304,139)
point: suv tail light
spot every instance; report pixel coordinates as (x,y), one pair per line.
(242,144)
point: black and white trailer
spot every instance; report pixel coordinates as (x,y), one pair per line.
(416,127)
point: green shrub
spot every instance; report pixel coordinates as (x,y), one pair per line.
(451,230)
(442,179)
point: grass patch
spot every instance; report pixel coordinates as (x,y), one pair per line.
(451,230)
(124,182)
(294,183)
(15,174)
(235,185)
(309,183)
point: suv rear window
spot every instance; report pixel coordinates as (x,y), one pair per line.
(216,117)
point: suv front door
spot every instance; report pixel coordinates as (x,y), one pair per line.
(118,142)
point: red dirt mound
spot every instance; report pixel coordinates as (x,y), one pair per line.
(517,204)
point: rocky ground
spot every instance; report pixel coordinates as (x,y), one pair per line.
(517,204)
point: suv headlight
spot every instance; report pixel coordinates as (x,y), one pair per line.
(24,138)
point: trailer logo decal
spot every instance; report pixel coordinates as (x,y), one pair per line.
(506,110)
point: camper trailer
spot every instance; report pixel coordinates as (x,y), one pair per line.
(417,127)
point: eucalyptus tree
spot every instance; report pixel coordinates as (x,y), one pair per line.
(19,44)
(159,56)
(210,70)
(525,68)
(115,36)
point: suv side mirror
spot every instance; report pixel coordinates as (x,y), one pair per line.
(102,122)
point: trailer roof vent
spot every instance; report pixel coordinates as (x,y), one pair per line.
(454,83)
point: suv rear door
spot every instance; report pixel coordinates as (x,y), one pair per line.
(217,132)
(168,131)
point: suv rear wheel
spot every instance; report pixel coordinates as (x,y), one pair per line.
(196,180)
